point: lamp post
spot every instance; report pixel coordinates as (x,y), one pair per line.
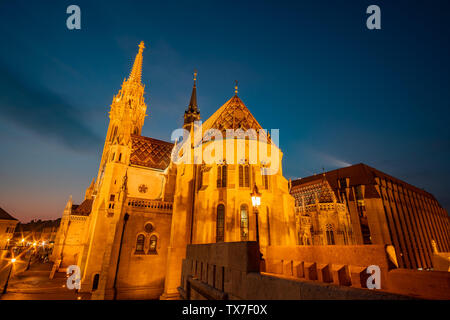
(31,254)
(13,260)
(256,202)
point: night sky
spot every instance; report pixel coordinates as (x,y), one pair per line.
(339,93)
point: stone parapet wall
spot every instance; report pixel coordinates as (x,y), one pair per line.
(231,271)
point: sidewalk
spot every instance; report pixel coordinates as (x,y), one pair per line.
(34,284)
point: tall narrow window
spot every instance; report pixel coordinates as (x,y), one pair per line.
(95,282)
(114,133)
(153,244)
(200,177)
(140,244)
(268,226)
(244,175)
(220,226)
(244,222)
(265,178)
(222,176)
(330,235)
(241,176)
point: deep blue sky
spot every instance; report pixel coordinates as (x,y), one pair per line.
(339,93)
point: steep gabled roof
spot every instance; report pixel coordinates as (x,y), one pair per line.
(314,189)
(232,115)
(5,215)
(151,153)
(84,209)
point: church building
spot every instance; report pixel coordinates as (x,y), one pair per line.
(129,235)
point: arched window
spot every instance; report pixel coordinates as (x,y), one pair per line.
(140,244)
(244,222)
(153,244)
(244,175)
(220,226)
(95,282)
(222,176)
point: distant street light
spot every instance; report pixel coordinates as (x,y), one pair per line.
(13,260)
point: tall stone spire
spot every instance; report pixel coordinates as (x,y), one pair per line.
(192,113)
(128,107)
(136,71)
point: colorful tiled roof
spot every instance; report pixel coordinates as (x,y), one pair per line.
(313,190)
(232,115)
(5,215)
(151,153)
(84,209)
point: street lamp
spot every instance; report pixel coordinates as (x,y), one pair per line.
(256,202)
(31,254)
(13,260)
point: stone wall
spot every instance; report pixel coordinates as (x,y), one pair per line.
(231,270)
(342,265)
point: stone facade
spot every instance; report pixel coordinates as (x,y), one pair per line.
(321,219)
(385,210)
(143,208)
(7,226)
(129,235)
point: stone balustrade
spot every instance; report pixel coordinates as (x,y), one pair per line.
(150,205)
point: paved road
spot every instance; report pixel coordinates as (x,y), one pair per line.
(34,284)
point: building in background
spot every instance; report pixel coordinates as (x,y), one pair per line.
(321,218)
(387,210)
(42,232)
(68,241)
(7,226)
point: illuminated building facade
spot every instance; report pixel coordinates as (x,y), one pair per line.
(387,210)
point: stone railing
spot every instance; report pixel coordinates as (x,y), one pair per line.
(322,207)
(150,205)
(231,270)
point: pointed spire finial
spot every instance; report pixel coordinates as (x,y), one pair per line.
(136,71)
(192,113)
(236,87)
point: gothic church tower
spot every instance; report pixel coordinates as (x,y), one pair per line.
(106,221)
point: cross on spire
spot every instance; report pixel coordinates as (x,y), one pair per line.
(236,87)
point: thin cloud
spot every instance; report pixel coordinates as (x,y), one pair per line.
(44,113)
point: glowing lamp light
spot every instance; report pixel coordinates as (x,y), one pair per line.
(34,244)
(23,240)
(256,197)
(13,260)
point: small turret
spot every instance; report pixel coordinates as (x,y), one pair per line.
(192,113)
